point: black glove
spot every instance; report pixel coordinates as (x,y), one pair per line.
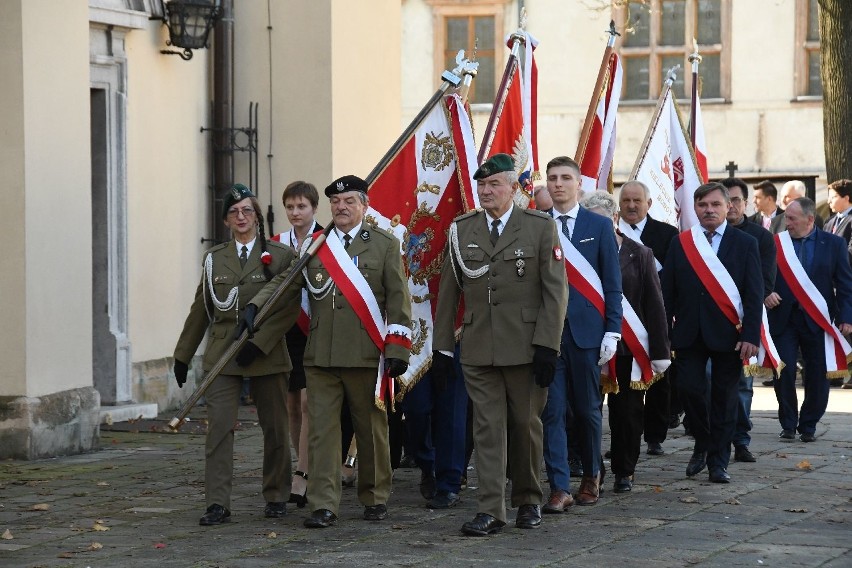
(544,365)
(246,322)
(181,369)
(443,369)
(395,367)
(248,354)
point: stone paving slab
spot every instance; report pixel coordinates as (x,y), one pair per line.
(137,503)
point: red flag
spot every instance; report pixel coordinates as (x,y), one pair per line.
(597,159)
(416,197)
(700,144)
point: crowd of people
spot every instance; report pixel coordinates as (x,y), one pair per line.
(540,315)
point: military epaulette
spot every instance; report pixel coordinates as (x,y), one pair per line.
(276,244)
(218,247)
(376,230)
(469,214)
(537,213)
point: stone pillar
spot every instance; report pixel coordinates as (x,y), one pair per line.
(48,405)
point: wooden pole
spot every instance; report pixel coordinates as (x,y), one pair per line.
(603,76)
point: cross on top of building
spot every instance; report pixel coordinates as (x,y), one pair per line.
(732,168)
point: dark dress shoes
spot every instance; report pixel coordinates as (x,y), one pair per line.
(558,502)
(320,519)
(443,500)
(215,515)
(623,484)
(375,512)
(427,485)
(482,524)
(575,466)
(807,437)
(275,510)
(696,464)
(787,435)
(529,517)
(742,454)
(719,475)
(655,449)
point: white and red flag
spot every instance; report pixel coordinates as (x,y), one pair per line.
(416,197)
(698,142)
(667,165)
(515,114)
(596,163)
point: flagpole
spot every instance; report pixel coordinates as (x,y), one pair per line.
(643,150)
(603,75)
(450,79)
(518,39)
(695,59)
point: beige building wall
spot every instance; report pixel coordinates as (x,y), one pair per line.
(755,128)
(335,91)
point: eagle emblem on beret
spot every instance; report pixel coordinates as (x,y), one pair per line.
(235,193)
(340,186)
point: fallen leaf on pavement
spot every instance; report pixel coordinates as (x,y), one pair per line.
(796,510)
(40,507)
(95,546)
(272,535)
(103,484)
(7,535)
(99,527)
(160,545)
(688,500)
(658,489)
(732,501)
(804,464)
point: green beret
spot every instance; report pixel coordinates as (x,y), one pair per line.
(494,165)
(344,184)
(237,193)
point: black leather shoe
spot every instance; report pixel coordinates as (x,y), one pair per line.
(443,500)
(575,466)
(215,515)
(674,421)
(742,454)
(320,519)
(697,463)
(807,437)
(655,449)
(275,510)
(787,435)
(481,525)
(769,383)
(375,512)
(529,517)
(719,475)
(623,484)
(427,485)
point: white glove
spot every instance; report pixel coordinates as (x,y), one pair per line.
(608,345)
(660,365)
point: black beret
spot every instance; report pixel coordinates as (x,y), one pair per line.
(494,165)
(344,184)
(237,193)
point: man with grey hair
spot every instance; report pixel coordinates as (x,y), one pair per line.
(812,264)
(791,190)
(662,407)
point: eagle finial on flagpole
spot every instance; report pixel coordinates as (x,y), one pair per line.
(671,76)
(612,33)
(466,69)
(695,57)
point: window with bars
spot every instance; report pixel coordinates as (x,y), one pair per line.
(808,82)
(659,34)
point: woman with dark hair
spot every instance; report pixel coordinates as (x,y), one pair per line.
(300,203)
(233,272)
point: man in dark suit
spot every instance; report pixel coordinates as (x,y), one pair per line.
(840,202)
(768,215)
(661,406)
(824,258)
(702,331)
(588,341)
(738,192)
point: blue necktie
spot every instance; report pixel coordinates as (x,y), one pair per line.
(565,230)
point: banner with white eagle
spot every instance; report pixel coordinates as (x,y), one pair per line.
(416,197)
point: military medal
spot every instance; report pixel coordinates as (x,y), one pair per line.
(521,263)
(519,252)
(318,277)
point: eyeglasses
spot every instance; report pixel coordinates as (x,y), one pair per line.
(737,200)
(246,211)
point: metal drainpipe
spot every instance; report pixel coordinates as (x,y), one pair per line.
(223,114)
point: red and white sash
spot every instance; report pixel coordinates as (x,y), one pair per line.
(837,349)
(634,235)
(357,292)
(582,276)
(725,293)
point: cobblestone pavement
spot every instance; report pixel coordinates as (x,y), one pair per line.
(137,503)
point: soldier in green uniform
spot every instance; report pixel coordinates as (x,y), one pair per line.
(341,357)
(507,263)
(233,273)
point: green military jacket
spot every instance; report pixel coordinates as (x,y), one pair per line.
(204,315)
(515,293)
(337,338)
